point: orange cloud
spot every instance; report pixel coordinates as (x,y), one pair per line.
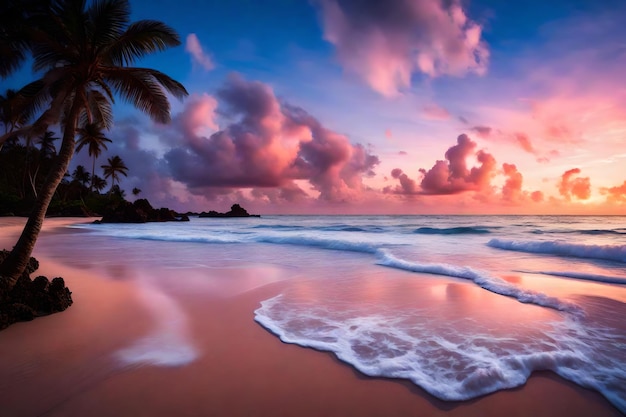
(579,187)
(616,195)
(512,189)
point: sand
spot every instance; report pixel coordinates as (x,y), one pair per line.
(68,364)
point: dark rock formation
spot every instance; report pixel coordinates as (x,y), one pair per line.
(235,211)
(31,298)
(141,211)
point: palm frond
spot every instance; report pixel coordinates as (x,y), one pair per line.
(34,98)
(141,38)
(172,86)
(108,19)
(141,89)
(100,109)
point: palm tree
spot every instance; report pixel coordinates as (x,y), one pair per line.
(98,183)
(113,168)
(19,20)
(10,115)
(92,136)
(85,54)
(136,191)
(46,150)
(46,144)
(81,176)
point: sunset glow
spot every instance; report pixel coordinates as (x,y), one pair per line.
(342,106)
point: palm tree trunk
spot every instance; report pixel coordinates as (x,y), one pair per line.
(15,264)
(93,171)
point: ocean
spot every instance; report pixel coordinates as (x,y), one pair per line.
(461,306)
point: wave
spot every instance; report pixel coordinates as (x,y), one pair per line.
(579,275)
(593,232)
(333,244)
(615,253)
(452,361)
(482,279)
(461,230)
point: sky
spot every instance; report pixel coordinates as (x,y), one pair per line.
(385,107)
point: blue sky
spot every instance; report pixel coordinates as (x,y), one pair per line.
(389,88)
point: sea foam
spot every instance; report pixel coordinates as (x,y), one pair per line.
(615,253)
(457,360)
(481,278)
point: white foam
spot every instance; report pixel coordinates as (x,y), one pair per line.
(456,361)
(579,275)
(605,252)
(481,278)
(168,344)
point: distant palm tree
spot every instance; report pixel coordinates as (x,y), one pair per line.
(85,53)
(136,191)
(113,168)
(81,175)
(46,150)
(10,115)
(98,183)
(46,144)
(92,136)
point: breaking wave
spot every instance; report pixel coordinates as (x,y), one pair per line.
(615,253)
(462,230)
(482,279)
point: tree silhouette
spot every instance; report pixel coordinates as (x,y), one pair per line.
(85,54)
(91,135)
(115,167)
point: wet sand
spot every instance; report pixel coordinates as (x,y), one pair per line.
(66,364)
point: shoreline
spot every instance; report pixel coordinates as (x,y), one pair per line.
(67,362)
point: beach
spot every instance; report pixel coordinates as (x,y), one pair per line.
(138,341)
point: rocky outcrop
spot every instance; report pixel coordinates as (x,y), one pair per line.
(29,299)
(235,211)
(141,211)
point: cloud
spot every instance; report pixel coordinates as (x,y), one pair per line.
(198,55)
(388,133)
(453,176)
(435,112)
(616,195)
(482,131)
(267,144)
(512,189)
(579,187)
(524,142)
(385,43)
(407,185)
(536,196)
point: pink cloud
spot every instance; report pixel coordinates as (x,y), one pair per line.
(579,187)
(482,131)
(453,175)
(386,42)
(524,142)
(407,185)
(435,112)
(388,134)
(536,196)
(198,55)
(270,144)
(512,189)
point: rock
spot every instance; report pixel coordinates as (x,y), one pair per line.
(235,211)
(141,211)
(29,299)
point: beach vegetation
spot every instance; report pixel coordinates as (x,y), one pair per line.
(84,53)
